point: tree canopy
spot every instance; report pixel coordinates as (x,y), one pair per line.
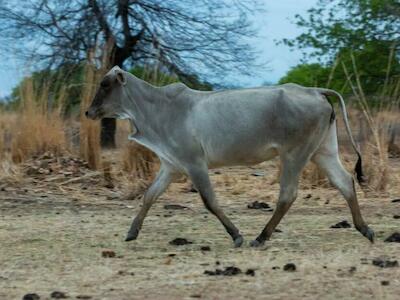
(349,39)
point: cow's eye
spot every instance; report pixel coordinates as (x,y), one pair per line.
(104,84)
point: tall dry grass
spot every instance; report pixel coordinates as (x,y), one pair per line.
(89,133)
(36,128)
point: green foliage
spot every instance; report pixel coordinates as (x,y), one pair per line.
(307,75)
(371,65)
(339,30)
(67,79)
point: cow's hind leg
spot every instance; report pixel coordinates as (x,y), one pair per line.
(329,162)
(201,180)
(292,165)
(159,185)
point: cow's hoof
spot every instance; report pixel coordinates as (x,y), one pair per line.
(132,235)
(238,241)
(367,232)
(256,243)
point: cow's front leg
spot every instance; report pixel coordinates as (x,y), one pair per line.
(159,185)
(201,180)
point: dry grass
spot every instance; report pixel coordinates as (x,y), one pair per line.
(331,263)
(90,131)
(36,129)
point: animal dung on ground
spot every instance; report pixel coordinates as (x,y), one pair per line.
(385,263)
(58,295)
(250,272)
(229,271)
(174,207)
(289,267)
(342,224)
(108,253)
(393,238)
(259,205)
(180,242)
(31,296)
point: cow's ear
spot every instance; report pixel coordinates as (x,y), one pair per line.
(121,77)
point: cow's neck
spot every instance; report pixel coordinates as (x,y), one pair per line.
(145,107)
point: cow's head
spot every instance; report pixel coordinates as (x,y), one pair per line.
(109,98)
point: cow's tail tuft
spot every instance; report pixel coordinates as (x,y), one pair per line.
(358,168)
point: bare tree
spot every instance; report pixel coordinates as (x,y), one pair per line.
(193,39)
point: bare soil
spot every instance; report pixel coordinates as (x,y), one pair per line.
(53,239)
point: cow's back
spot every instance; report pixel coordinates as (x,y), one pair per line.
(252,125)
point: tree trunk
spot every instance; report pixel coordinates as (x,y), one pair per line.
(108,125)
(107,135)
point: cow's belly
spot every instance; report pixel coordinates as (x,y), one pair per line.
(241,155)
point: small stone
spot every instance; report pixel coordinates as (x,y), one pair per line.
(205,248)
(290,267)
(396,200)
(83,297)
(396,217)
(385,282)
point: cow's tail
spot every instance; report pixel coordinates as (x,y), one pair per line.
(358,168)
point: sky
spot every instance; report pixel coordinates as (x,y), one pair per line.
(274,24)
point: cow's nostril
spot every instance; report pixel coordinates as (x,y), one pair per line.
(86,113)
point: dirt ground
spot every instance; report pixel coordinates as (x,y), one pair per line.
(52,239)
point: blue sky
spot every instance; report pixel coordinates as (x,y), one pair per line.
(274,24)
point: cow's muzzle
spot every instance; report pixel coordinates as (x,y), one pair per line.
(94,114)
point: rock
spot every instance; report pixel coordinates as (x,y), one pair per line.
(396,217)
(174,207)
(108,253)
(259,205)
(180,242)
(342,224)
(31,296)
(58,295)
(393,238)
(384,263)
(229,271)
(396,200)
(290,267)
(385,282)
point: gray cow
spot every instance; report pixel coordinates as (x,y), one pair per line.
(192,131)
